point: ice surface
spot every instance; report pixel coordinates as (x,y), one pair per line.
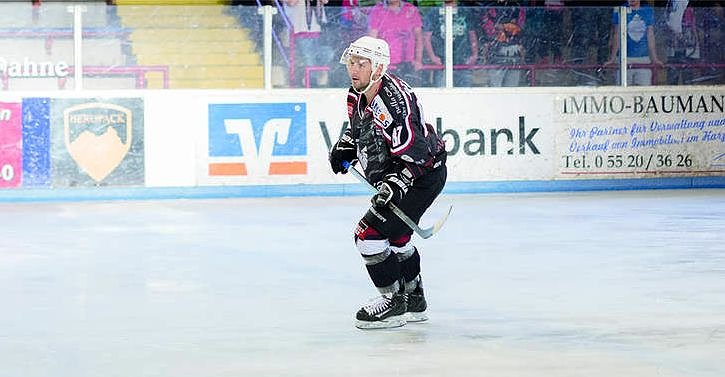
(592,284)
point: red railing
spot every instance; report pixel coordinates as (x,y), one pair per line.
(316,68)
(139,71)
(533,68)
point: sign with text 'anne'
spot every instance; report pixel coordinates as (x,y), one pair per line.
(30,68)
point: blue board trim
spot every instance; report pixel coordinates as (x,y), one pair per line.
(271,191)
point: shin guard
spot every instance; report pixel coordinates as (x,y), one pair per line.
(410,269)
(384,271)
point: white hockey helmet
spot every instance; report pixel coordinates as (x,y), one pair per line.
(375,49)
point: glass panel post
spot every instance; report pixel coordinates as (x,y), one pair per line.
(623,45)
(77,11)
(267,12)
(449,45)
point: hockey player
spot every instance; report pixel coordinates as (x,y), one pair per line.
(404,159)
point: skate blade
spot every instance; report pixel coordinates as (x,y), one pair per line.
(416,317)
(388,323)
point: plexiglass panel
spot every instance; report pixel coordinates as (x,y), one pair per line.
(545,44)
(542,43)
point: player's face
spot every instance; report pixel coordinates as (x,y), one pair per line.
(359,70)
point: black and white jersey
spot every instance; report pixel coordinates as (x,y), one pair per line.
(390,132)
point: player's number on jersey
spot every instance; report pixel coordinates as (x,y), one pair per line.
(7,172)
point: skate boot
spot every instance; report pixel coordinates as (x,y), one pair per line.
(416,305)
(383,312)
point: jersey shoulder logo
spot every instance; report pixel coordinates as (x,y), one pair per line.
(381,114)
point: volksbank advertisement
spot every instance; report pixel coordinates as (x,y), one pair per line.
(286,141)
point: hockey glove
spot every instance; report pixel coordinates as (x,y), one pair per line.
(343,150)
(390,190)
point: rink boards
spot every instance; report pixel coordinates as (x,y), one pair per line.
(274,143)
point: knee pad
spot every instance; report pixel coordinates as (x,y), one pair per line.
(402,247)
(369,241)
(381,263)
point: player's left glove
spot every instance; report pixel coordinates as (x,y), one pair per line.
(390,190)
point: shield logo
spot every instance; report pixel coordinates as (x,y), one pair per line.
(98,136)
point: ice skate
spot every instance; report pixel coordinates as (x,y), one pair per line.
(416,305)
(383,312)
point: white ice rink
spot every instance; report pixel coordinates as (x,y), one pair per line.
(595,284)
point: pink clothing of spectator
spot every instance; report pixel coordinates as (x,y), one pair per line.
(400,26)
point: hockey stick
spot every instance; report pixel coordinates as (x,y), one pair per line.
(424,233)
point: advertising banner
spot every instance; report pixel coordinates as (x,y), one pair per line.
(281,139)
(257,139)
(285,139)
(36,142)
(10,145)
(97,142)
(679,132)
(494,137)
(274,142)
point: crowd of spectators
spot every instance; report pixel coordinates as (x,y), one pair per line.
(512,42)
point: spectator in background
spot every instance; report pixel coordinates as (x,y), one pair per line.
(545,27)
(308,21)
(347,20)
(503,24)
(683,45)
(353,19)
(465,42)
(712,15)
(590,27)
(399,24)
(640,42)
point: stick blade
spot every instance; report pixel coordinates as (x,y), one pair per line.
(428,232)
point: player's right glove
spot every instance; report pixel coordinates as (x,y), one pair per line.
(343,150)
(390,190)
